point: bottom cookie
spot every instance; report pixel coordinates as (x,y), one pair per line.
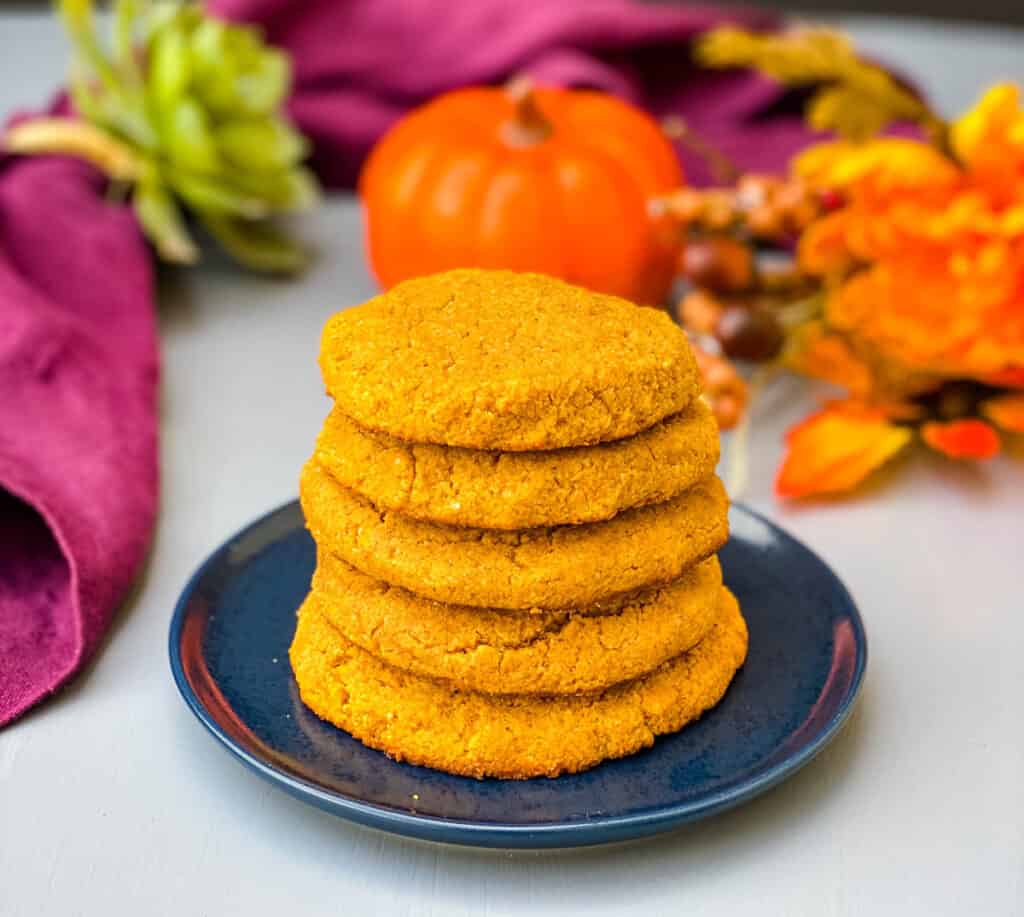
(414,719)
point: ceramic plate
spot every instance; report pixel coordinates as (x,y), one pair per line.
(229,655)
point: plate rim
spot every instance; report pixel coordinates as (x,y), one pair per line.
(505,835)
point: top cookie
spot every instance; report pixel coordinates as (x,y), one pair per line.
(501,360)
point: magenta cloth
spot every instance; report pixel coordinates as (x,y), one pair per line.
(359,64)
(78,352)
(78,437)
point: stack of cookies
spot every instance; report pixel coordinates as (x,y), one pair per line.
(516,517)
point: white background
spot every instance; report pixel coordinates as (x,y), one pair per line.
(113,800)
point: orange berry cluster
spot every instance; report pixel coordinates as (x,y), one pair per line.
(730,298)
(765,207)
(724,388)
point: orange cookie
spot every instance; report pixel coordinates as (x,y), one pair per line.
(518,490)
(416,719)
(503,652)
(501,360)
(571,566)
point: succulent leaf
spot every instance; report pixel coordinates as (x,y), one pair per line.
(188,138)
(161,220)
(168,67)
(184,106)
(204,194)
(259,246)
(261,144)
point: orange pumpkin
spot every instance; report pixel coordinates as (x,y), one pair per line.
(550,180)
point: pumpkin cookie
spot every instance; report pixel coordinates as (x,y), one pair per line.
(518,490)
(502,652)
(500,360)
(415,719)
(571,566)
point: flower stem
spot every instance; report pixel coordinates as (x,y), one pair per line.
(68,136)
(723,169)
(737,474)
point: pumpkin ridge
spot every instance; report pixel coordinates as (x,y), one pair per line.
(631,237)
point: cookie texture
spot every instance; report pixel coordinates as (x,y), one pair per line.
(516,490)
(503,360)
(422,721)
(570,566)
(502,652)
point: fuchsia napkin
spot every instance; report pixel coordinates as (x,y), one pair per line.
(78,353)
(78,441)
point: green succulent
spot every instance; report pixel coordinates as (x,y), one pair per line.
(185,109)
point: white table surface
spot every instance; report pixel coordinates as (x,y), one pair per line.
(113,800)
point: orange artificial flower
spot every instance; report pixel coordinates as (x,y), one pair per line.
(1011,378)
(989,140)
(925,260)
(823,355)
(969,438)
(837,448)
(887,165)
(1006,411)
(910,263)
(915,311)
(823,248)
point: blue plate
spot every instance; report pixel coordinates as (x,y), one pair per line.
(229,654)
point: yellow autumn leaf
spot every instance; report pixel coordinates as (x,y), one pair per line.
(856,97)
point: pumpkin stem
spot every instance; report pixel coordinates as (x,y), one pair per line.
(528,125)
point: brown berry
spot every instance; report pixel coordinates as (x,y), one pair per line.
(755,190)
(699,311)
(749,333)
(721,264)
(686,205)
(781,278)
(767,222)
(719,209)
(797,206)
(791,194)
(728,410)
(801,215)
(724,387)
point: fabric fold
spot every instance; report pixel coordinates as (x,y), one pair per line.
(78,424)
